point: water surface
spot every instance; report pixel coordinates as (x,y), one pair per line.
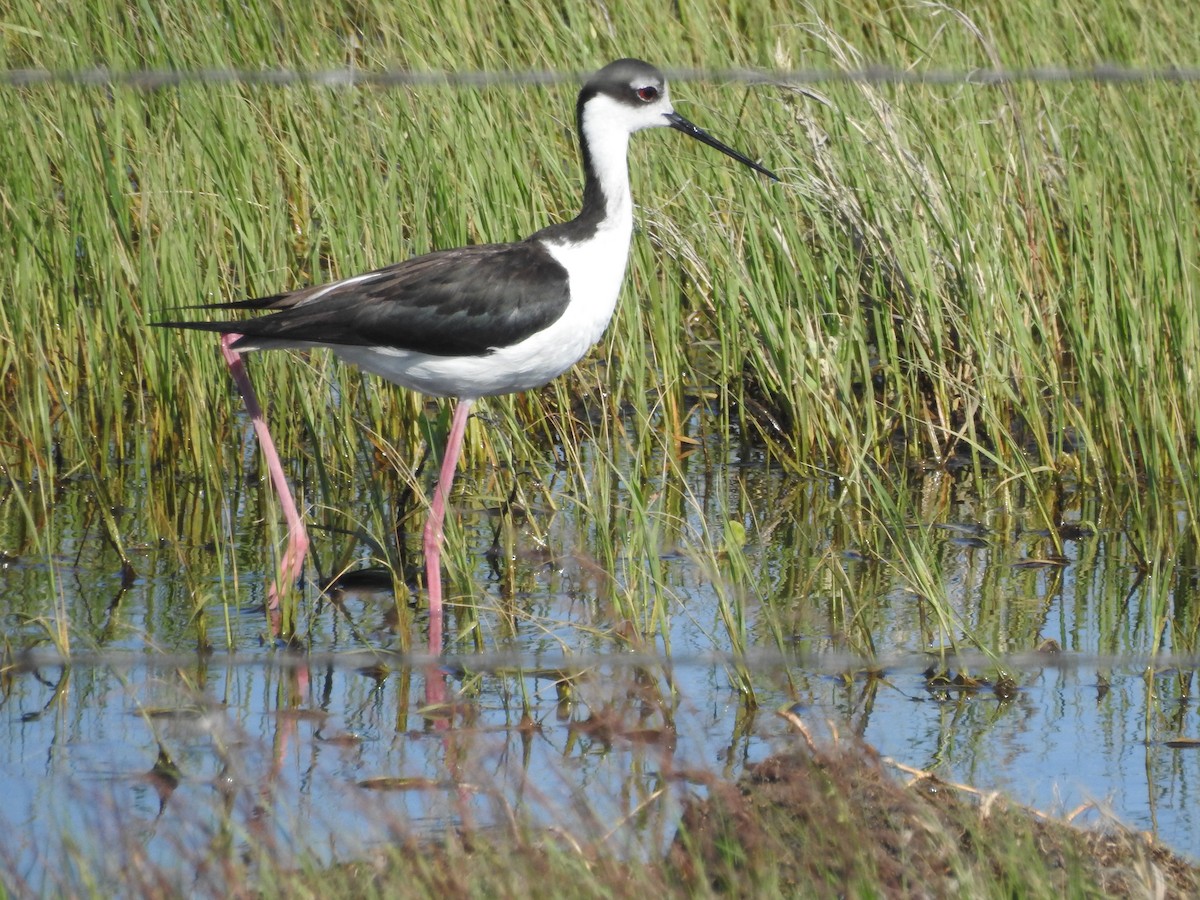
(181,729)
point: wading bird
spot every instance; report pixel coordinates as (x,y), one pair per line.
(475,321)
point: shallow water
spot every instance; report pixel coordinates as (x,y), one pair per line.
(146,747)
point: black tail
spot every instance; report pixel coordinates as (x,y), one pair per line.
(274,301)
(221,327)
(270,302)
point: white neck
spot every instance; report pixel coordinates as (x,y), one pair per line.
(605,139)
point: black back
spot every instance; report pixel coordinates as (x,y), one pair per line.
(462,302)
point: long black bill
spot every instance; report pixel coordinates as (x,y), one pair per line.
(679,123)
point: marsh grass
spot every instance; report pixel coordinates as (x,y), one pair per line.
(1001,279)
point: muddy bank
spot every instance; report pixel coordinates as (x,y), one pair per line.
(818,821)
(838,821)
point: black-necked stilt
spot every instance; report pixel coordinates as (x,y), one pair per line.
(482,320)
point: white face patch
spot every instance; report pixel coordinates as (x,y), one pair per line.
(637,84)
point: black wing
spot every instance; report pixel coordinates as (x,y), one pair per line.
(462,302)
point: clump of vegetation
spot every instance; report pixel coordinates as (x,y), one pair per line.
(833,822)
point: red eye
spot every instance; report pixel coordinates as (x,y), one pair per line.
(648,93)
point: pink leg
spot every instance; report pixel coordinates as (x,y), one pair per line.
(297,547)
(437,517)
